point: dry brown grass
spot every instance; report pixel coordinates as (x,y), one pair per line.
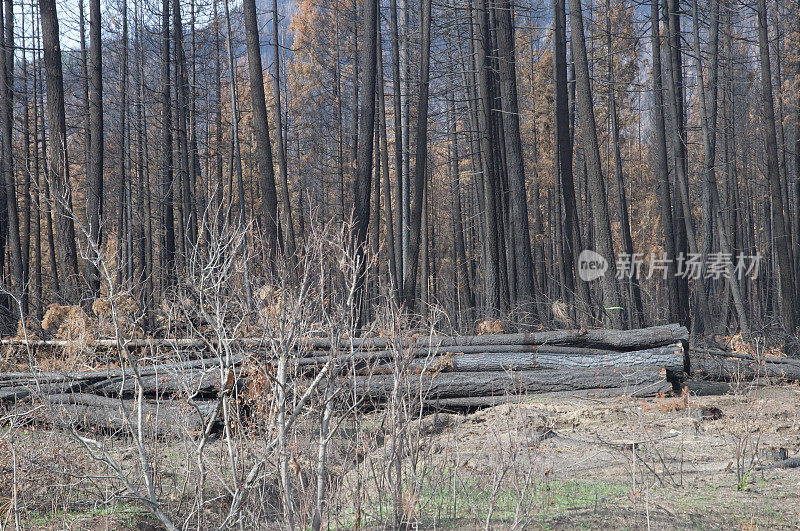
(490,326)
(128,314)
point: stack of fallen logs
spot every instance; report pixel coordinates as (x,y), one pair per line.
(716,370)
(440,371)
(484,370)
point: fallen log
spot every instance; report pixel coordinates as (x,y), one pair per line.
(596,338)
(670,357)
(195,382)
(742,368)
(158,382)
(112,416)
(145,369)
(317,357)
(470,402)
(489,383)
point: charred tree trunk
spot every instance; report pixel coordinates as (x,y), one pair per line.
(635,311)
(362,186)
(563,141)
(263,150)
(94,188)
(58,166)
(489,179)
(421,161)
(601,220)
(288,224)
(518,198)
(662,167)
(781,234)
(7,125)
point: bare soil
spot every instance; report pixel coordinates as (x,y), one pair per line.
(647,463)
(544,462)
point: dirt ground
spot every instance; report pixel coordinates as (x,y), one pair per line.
(649,463)
(543,462)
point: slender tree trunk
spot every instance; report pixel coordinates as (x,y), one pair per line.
(197,186)
(36,225)
(780,233)
(662,167)
(281,148)
(143,234)
(25,222)
(48,203)
(125,136)
(489,176)
(94,189)
(5,211)
(58,167)
(394,272)
(708,109)
(399,248)
(405,174)
(237,153)
(354,109)
(7,126)
(796,216)
(462,284)
(635,311)
(563,142)
(702,315)
(263,149)
(167,184)
(124,226)
(601,220)
(362,186)
(518,197)
(185,179)
(219,194)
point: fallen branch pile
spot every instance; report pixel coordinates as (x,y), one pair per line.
(460,371)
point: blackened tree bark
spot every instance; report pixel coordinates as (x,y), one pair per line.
(421,160)
(462,280)
(780,232)
(398,147)
(168,216)
(36,219)
(362,186)
(7,124)
(125,236)
(94,185)
(48,210)
(661,165)
(4,210)
(686,230)
(563,140)
(264,165)
(491,259)
(186,180)
(708,111)
(288,224)
(237,156)
(517,198)
(25,221)
(58,154)
(796,215)
(600,217)
(635,310)
(394,272)
(354,108)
